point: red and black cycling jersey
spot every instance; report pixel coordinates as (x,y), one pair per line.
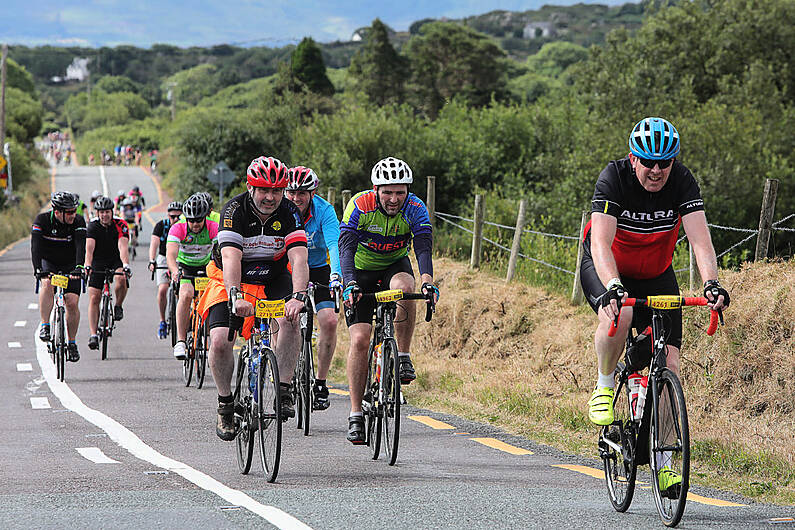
(648,223)
(107,238)
(57,242)
(264,243)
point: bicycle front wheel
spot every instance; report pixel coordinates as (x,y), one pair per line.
(304,369)
(104,326)
(202,347)
(245,412)
(190,352)
(669,447)
(269,406)
(60,343)
(617,449)
(172,315)
(391,405)
(371,406)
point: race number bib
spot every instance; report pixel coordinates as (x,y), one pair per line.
(270,308)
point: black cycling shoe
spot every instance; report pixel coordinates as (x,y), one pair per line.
(288,407)
(320,395)
(72,355)
(356,431)
(93,342)
(44,334)
(225,428)
(407,374)
(118,313)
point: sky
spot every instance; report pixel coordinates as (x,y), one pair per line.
(208,22)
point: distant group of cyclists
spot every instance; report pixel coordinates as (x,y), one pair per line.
(278,235)
(126,155)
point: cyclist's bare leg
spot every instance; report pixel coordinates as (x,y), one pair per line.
(287,347)
(326,340)
(94,295)
(121,289)
(162,292)
(72,314)
(404,327)
(222,360)
(357,363)
(45,300)
(609,349)
(183,309)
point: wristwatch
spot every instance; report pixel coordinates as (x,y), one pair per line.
(301,297)
(235,294)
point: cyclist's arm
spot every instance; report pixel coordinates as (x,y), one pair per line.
(695,225)
(423,243)
(172,251)
(80,244)
(349,240)
(331,234)
(124,240)
(153,247)
(422,234)
(35,246)
(231,258)
(603,231)
(298,258)
(91,244)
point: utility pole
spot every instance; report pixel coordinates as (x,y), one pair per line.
(3,94)
(172,95)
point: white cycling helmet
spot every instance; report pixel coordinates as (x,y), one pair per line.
(391,171)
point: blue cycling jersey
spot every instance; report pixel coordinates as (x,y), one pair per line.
(322,235)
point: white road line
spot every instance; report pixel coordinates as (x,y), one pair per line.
(33,306)
(20,323)
(129,441)
(14,345)
(104,181)
(96,455)
(24,367)
(39,403)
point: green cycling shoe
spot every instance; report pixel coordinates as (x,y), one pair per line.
(600,407)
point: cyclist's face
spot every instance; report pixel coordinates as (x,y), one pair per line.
(66,216)
(301,198)
(266,199)
(652,179)
(196,225)
(105,216)
(392,197)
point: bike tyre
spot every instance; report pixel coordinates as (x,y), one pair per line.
(61,343)
(202,349)
(391,406)
(620,474)
(269,416)
(244,414)
(187,363)
(372,408)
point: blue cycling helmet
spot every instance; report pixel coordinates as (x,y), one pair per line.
(654,139)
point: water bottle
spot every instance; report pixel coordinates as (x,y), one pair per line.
(378,362)
(644,382)
(253,369)
(634,384)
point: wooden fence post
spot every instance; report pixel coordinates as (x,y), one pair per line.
(331,196)
(474,261)
(693,269)
(431,199)
(346,196)
(516,247)
(766,218)
(577,296)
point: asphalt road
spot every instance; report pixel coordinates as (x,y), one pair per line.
(123,444)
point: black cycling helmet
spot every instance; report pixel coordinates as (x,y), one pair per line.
(103,203)
(196,207)
(174,205)
(63,200)
(208,197)
(136,189)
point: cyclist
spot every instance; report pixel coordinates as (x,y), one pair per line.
(92,212)
(128,212)
(82,209)
(106,248)
(138,201)
(638,205)
(58,244)
(120,196)
(322,235)
(376,232)
(260,233)
(157,258)
(189,246)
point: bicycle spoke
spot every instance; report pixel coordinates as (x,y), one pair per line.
(268,414)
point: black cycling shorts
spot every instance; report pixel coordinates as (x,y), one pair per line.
(192,271)
(320,277)
(370,282)
(665,283)
(97,280)
(74,284)
(280,287)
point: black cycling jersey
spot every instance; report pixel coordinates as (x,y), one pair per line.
(161,230)
(648,223)
(59,243)
(264,244)
(106,248)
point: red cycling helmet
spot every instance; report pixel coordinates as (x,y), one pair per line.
(302,179)
(267,172)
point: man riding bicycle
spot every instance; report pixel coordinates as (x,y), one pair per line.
(157,258)
(137,200)
(106,248)
(376,233)
(322,236)
(58,245)
(638,205)
(188,251)
(260,233)
(128,212)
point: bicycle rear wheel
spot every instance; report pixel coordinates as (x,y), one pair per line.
(617,449)
(202,347)
(669,446)
(244,414)
(269,417)
(391,405)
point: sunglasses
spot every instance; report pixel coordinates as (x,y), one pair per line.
(196,220)
(663,164)
(174,216)
(69,212)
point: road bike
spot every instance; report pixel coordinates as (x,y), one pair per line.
(132,242)
(58,335)
(382,396)
(257,399)
(660,427)
(304,374)
(198,338)
(107,320)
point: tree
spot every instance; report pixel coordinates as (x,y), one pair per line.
(378,69)
(307,69)
(19,77)
(117,83)
(448,59)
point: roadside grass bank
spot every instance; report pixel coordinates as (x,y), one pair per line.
(521,358)
(15,219)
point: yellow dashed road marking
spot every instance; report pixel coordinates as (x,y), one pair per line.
(430,422)
(585,470)
(338,392)
(502,446)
